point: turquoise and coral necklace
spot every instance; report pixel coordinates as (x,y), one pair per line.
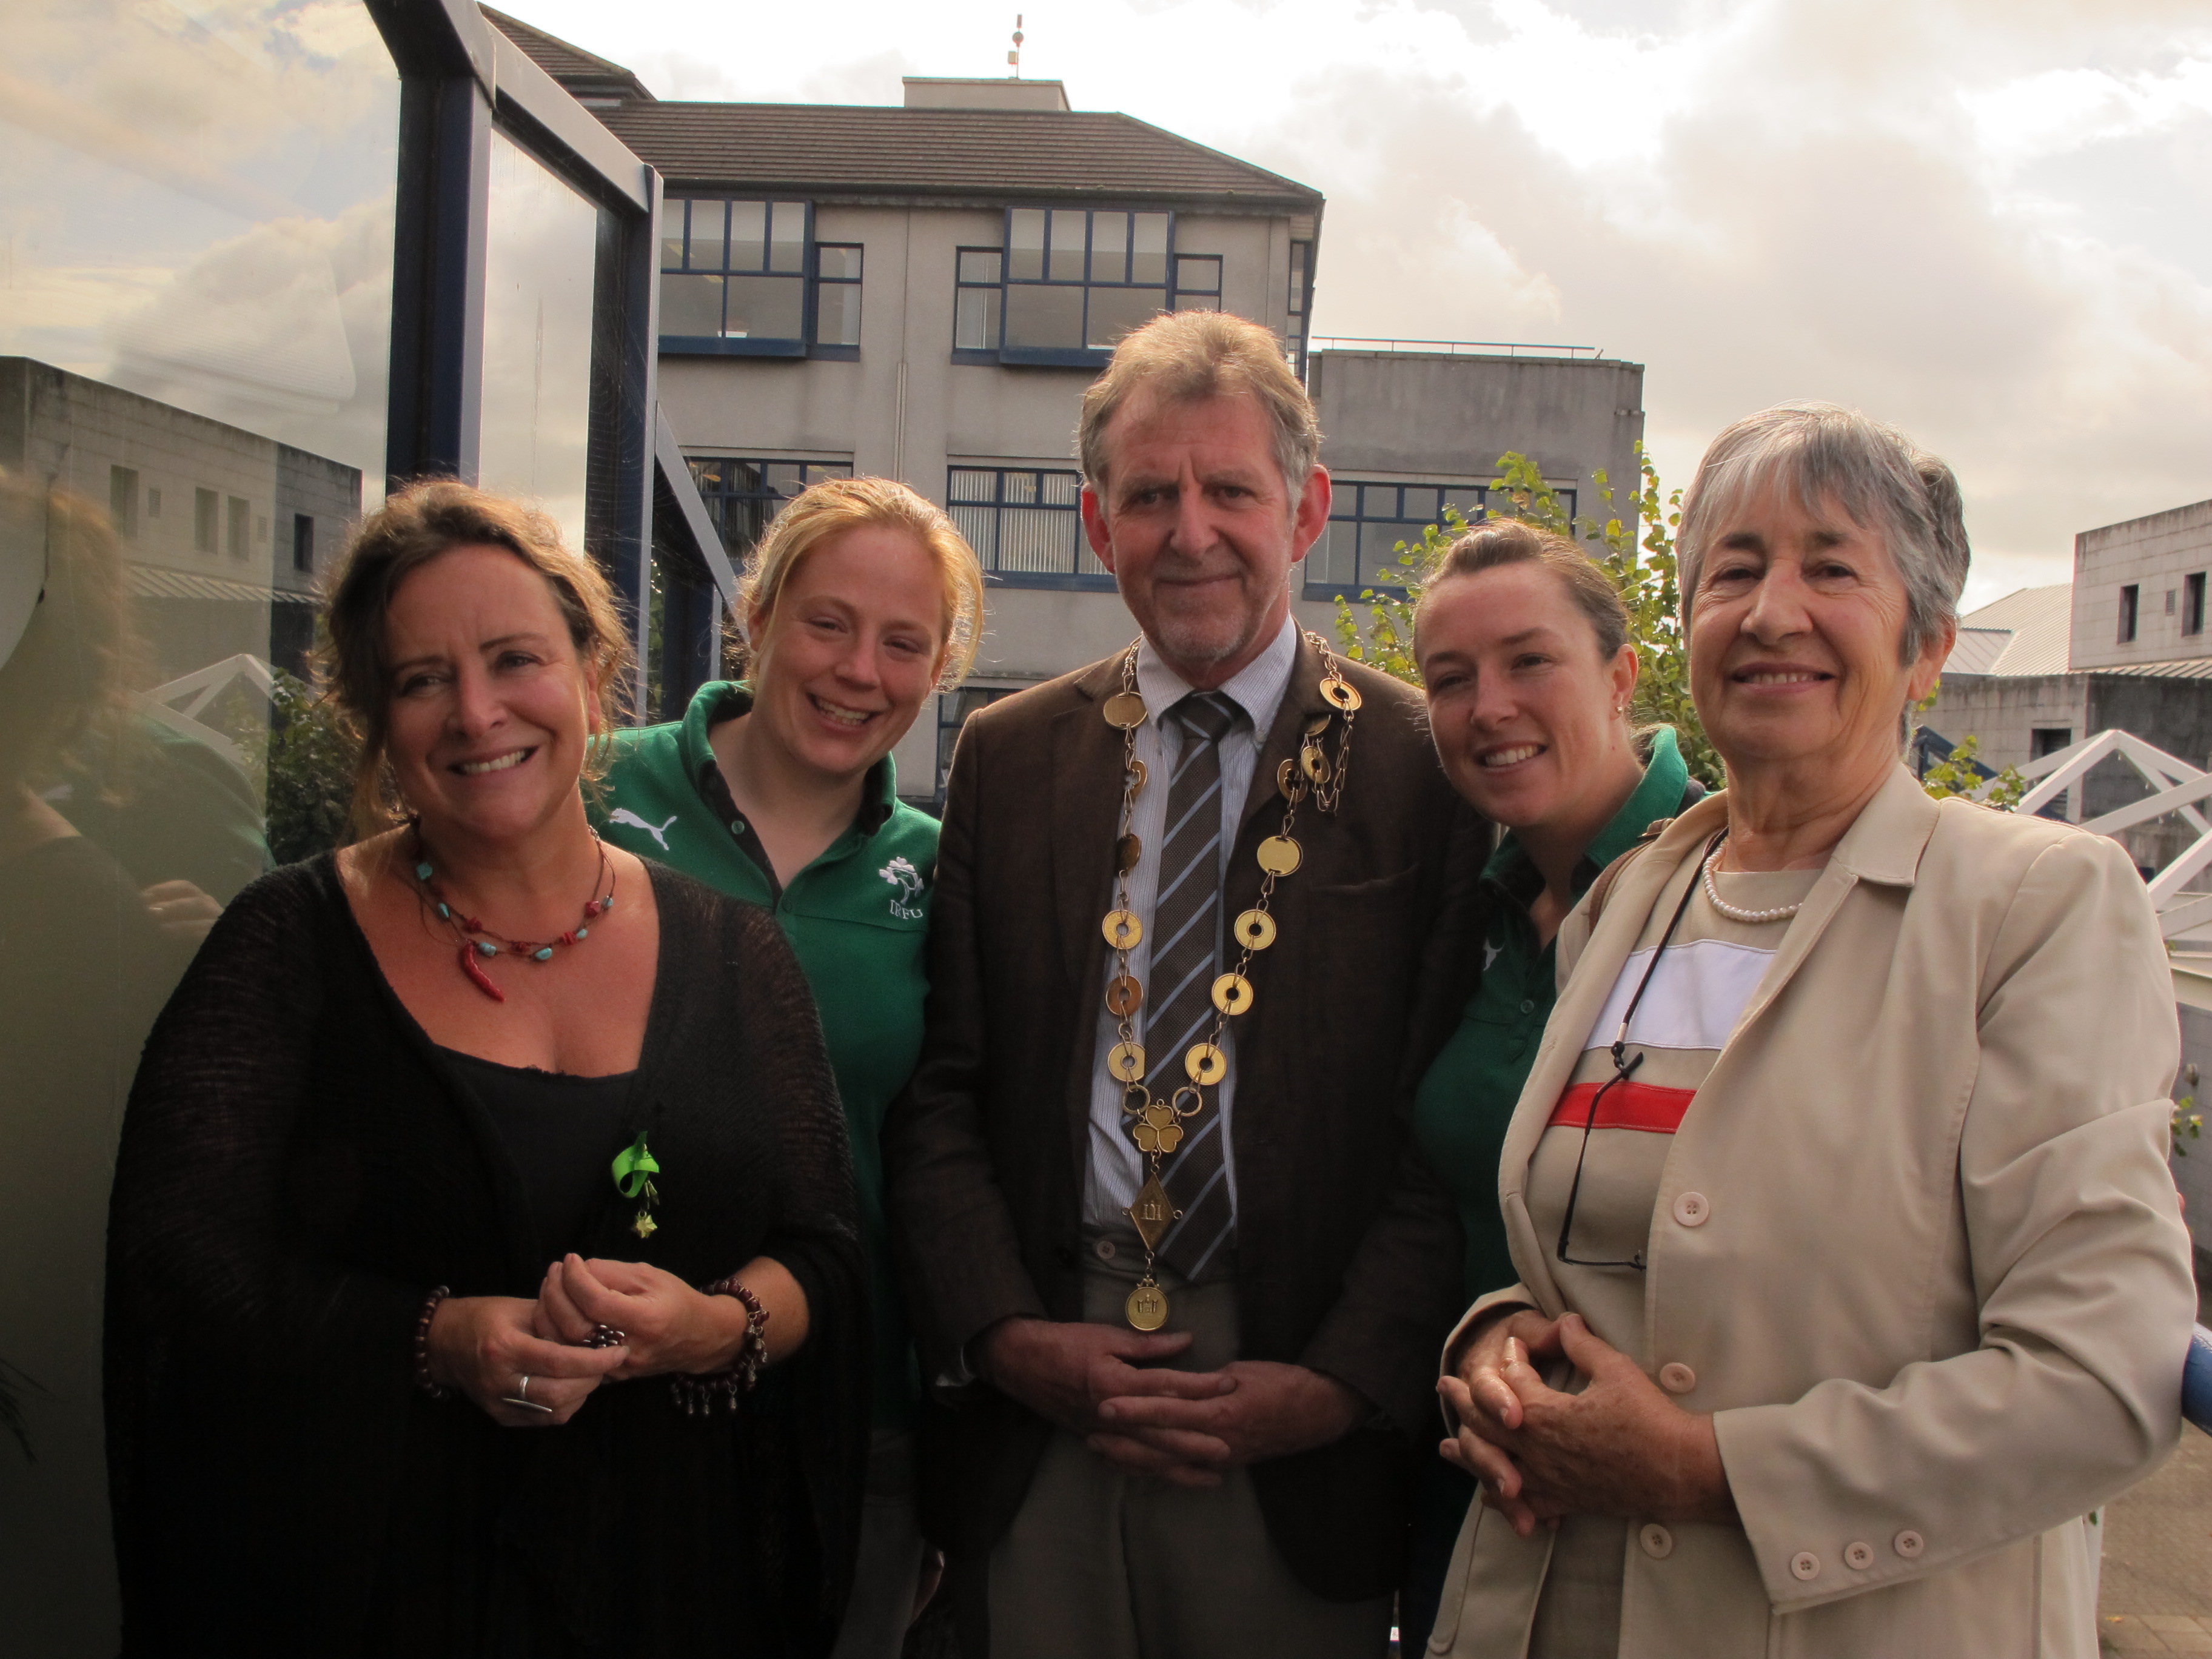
(477,940)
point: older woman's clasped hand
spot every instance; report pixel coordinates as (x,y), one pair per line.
(487,1346)
(1616,1446)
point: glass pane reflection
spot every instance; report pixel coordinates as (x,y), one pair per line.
(539,266)
(193,343)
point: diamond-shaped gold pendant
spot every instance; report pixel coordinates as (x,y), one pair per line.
(1151,1213)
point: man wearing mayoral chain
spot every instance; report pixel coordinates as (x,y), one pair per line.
(1177,1276)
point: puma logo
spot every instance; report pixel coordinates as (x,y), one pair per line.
(623,815)
(902,874)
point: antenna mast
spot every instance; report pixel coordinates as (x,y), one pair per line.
(1015,56)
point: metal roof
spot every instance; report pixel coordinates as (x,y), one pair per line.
(154,581)
(2182,668)
(571,66)
(2026,632)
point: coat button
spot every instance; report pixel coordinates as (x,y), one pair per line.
(1805,1565)
(1908,1543)
(1691,1209)
(1858,1555)
(1105,1248)
(1528,1005)
(1676,1377)
(1658,1543)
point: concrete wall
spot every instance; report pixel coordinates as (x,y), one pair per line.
(2155,554)
(2001,710)
(1406,416)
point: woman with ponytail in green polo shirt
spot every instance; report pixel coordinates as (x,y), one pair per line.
(861,601)
(1523,649)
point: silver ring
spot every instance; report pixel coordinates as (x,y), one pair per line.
(521,1397)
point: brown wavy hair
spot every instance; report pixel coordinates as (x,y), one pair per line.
(414,526)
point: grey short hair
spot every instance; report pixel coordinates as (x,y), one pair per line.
(1822,452)
(1187,356)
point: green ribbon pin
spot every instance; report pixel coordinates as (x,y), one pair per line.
(634,1170)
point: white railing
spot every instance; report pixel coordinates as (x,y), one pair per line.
(202,686)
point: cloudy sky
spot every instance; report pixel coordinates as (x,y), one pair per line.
(1988,221)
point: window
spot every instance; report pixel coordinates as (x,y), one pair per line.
(122,498)
(240,519)
(742,496)
(2048,740)
(2129,597)
(1366,523)
(979,286)
(1077,281)
(733,277)
(206,505)
(953,708)
(303,541)
(837,296)
(153,501)
(2192,604)
(1294,335)
(1198,282)
(1025,525)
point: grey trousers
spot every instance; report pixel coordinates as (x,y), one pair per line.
(889,1571)
(1104,1565)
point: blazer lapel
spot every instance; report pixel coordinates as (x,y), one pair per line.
(1263,801)
(1086,817)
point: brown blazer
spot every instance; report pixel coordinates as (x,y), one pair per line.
(1349,1251)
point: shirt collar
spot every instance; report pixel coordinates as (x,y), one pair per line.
(725,700)
(1257,688)
(1666,774)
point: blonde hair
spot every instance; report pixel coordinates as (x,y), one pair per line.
(414,526)
(837,505)
(1187,356)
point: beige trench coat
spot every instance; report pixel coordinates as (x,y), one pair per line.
(1916,1240)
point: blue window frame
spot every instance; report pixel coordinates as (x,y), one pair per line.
(979,291)
(733,277)
(1369,524)
(1198,282)
(837,299)
(1025,525)
(1078,279)
(741,495)
(1301,306)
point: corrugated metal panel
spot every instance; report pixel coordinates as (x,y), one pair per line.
(2024,633)
(2184,668)
(1978,650)
(998,156)
(154,581)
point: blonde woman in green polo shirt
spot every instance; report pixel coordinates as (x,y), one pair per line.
(1523,649)
(861,601)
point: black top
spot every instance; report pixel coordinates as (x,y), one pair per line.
(301,1166)
(562,1132)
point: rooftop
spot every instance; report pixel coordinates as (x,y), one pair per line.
(2023,633)
(870,150)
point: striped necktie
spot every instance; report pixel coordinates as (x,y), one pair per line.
(1187,923)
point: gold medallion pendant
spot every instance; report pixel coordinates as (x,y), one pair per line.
(1147,1306)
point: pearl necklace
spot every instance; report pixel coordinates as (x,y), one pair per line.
(1779,913)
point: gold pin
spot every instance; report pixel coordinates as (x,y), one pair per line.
(1126,1062)
(1123,930)
(1342,693)
(1147,1306)
(1254,930)
(1278,856)
(1124,709)
(1232,994)
(1206,1064)
(1127,852)
(1151,1213)
(1124,996)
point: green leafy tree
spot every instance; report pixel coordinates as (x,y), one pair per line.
(1958,774)
(306,758)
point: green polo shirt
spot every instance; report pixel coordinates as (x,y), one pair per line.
(858,917)
(1467,1097)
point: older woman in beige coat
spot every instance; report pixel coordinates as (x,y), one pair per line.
(1852,1276)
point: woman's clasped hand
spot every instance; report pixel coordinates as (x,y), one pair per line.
(492,1349)
(1614,1445)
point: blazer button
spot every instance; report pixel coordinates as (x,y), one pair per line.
(1908,1544)
(1658,1543)
(1858,1555)
(1105,1248)
(1691,1209)
(1805,1565)
(1676,1377)
(1065,1256)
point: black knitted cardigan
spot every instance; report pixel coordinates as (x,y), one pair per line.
(300,1166)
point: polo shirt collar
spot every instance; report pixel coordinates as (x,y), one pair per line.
(1666,774)
(725,700)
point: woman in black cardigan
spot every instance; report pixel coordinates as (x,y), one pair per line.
(472,1177)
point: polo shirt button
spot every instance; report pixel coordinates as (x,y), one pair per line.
(1691,1209)
(1908,1544)
(1528,1005)
(1805,1565)
(1858,1555)
(1105,1248)
(1676,1377)
(1658,1543)
(737,826)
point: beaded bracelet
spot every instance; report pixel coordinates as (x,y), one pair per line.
(422,1343)
(697,1395)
